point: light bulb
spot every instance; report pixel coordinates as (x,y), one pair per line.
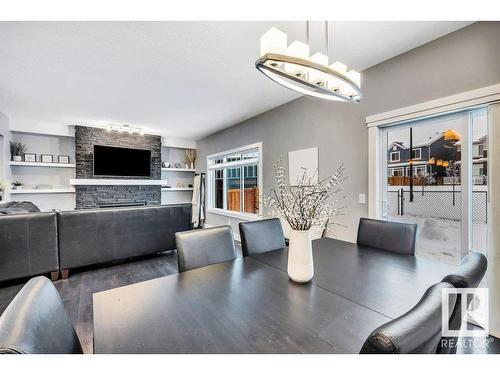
(333,82)
(317,76)
(297,49)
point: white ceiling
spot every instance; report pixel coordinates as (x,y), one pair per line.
(180,79)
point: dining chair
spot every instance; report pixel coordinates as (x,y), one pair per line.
(36,322)
(387,235)
(468,275)
(203,247)
(261,236)
(417,331)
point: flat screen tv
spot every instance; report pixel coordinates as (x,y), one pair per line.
(121,162)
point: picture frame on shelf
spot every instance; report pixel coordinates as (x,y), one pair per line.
(29,157)
(46,158)
(63,159)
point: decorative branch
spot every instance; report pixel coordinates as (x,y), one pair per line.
(191,155)
(306,205)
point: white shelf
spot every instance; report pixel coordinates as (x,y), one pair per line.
(38,164)
(43,191)
(176,189)
(115,181)
(178,170)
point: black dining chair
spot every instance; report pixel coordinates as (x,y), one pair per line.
(416,332)
(261,236)
(468,275)
(36,322)
(387,235)
(203,247)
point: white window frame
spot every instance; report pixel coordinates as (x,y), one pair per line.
(240,163)
(421,168)
(398,169)
(394,160)
(419,149)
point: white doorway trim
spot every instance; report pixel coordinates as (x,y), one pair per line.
(437,107)
(458,102)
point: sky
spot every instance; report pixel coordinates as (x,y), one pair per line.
(426,130)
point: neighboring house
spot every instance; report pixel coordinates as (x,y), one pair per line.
(480,160)
(398,159)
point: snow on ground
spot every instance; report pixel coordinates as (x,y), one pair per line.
(439,239)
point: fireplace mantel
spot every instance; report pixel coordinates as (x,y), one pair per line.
(114,181)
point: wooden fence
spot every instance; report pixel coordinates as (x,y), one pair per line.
(251,196)
(404,181)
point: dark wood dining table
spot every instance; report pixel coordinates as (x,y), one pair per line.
(251,306)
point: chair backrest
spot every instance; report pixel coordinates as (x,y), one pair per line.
(203,247)
(387,235)
(468,275)
(36,322)
(417,331)
(261,236)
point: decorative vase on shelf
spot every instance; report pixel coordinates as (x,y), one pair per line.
(18,158)
(192,165)
(300,257)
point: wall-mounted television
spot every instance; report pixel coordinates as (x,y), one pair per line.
(121,162)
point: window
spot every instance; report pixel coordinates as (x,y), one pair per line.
(417,153)
(477,150)
(420,170)
(395,156)
(397,172)
(235,182)
(477,170)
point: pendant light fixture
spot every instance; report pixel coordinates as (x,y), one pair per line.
(293,67)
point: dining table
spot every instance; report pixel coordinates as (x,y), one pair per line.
(250,305)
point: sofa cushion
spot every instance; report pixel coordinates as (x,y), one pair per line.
(97,236)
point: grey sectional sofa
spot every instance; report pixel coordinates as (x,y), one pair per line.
(28,245)
(37,243)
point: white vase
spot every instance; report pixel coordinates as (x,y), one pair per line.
(300,257)
(192,165)
(18,158)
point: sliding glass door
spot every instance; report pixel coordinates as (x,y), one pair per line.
(434,175)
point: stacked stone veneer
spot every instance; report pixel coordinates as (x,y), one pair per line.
(95,196)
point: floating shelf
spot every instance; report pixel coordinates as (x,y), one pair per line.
(38,164)
(178,170)
(176,189)
(43,191)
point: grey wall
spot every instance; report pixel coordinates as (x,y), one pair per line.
(5,138)
(461,61)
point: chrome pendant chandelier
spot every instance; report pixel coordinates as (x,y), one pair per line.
(292,67)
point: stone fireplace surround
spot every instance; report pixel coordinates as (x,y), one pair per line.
(95,196)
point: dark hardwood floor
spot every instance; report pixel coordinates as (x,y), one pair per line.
(77,291)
